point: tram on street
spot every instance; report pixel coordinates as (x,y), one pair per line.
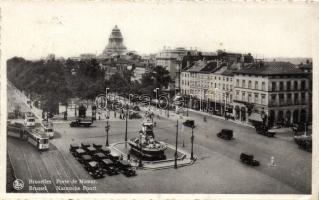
(29,119)
(48,128)
(38,138)
(35,136)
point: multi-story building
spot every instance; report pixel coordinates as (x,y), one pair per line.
(170,59)
(277,90)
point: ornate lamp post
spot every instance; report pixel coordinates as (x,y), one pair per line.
(107,128)
(192,140)
(140,164)
(175,163)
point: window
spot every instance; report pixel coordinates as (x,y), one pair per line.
(263,86)
(226,79)
(303,85)
(223,86)
(256,85)
(281,86)
(243,83)
(296,98)
(237,83)
(263,98)
(288,85)
(281,97)
(219,78)
(243,96)
(249,96)
(237,94)
(256,97)
(295,85)
(273,86)
(303,96)
(215,85)
(249,84)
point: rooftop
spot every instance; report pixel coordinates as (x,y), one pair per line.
(270,68)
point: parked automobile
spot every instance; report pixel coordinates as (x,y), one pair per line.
(97,146)
(125,168)
(81,122)
(84,159)
(99,156)
(304,142)
(73,147)
(225,134)
(94,170)
(248,159)
(109,167)
(85,145)
(91,150)
(189,122)
(78,153)
(114,156)
(105,150)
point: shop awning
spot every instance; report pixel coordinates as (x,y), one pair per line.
(255,117)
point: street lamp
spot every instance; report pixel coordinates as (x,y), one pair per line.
(106,97)
(175,163)
(192,140)
(156,96)
(140,164)
(107,128)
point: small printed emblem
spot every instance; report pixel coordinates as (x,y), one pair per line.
(18,184)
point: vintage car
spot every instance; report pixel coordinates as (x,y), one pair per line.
(81,122)
(248,159)
(91,150)
(105,150)
(109,167)
(94,169)
(99,156)
(73,147)
(78,153)
(304,142)
(114,156)
(125,168)
(97,146)
(189,122)
(225,134)
(84,159)
(85,145)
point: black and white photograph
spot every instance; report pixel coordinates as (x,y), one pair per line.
(158,97)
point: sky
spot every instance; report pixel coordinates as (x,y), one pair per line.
(34,30)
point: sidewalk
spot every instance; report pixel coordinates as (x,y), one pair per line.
(174,116)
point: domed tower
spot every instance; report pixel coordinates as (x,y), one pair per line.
(115,45)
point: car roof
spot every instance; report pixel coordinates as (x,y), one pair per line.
(91,148)
(86,157)
(100,154)
(107,161)
(93,163)
(80,150)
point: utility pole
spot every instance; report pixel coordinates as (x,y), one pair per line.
(175,164)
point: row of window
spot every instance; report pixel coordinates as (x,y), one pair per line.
(251,97)
(205,76)
(290,85)
(218,97)
(249,86)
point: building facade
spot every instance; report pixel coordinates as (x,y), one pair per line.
(277,90)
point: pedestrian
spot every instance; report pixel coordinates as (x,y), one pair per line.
(128,156)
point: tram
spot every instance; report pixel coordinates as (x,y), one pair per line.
(35,136)
(29,119)
(48,128)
